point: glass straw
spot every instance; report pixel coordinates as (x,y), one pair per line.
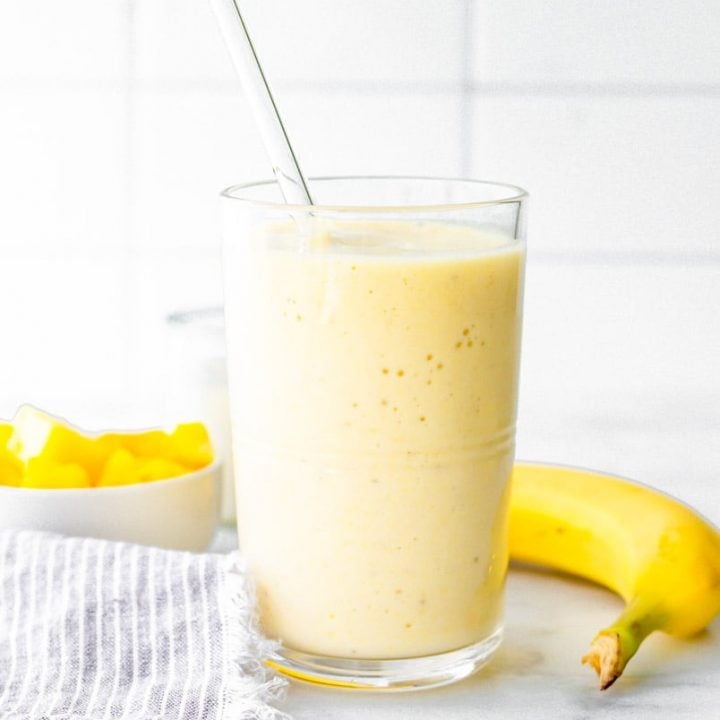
(277,144)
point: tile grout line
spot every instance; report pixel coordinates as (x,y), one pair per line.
(129,119)
(609,258)
(466,91)
(213,86)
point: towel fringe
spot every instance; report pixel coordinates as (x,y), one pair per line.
(251,685)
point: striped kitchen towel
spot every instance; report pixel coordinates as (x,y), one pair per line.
(106,630)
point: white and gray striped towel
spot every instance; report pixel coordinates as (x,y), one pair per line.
(104,630)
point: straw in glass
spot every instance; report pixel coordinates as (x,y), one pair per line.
(277,144)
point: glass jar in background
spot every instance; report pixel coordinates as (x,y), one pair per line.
(197,385)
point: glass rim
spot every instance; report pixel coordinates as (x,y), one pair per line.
(515,194)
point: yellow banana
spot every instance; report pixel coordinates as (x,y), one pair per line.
(658,554)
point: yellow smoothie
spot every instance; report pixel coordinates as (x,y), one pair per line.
(374,386)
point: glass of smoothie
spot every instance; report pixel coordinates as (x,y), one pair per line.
(373,347)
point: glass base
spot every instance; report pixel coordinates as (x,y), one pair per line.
(406,674)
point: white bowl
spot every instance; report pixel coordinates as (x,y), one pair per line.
(180,513)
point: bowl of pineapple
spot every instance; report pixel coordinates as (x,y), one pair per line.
(153,487)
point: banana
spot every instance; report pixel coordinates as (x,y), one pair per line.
(658,554)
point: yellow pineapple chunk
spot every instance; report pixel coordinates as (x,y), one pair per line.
(191,445)
(11,469)
(6,429)
(46,474)
(124,468)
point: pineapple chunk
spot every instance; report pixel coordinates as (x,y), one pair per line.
(11,469)
(6,429)
(43,473)
(124,468)
(191,445)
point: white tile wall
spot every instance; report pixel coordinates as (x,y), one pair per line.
(65,330)
(345,41)
(71,42)
(661,43)
(385,132)
(121,119)
(187,147)
(63,177)
(177,42)
(315,42)
(622,175)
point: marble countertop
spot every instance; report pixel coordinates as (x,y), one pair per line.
(536,673)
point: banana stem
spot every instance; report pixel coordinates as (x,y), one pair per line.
(613,647)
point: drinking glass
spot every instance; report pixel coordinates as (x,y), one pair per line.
(373,347)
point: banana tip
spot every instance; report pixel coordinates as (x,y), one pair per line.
(605,658)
